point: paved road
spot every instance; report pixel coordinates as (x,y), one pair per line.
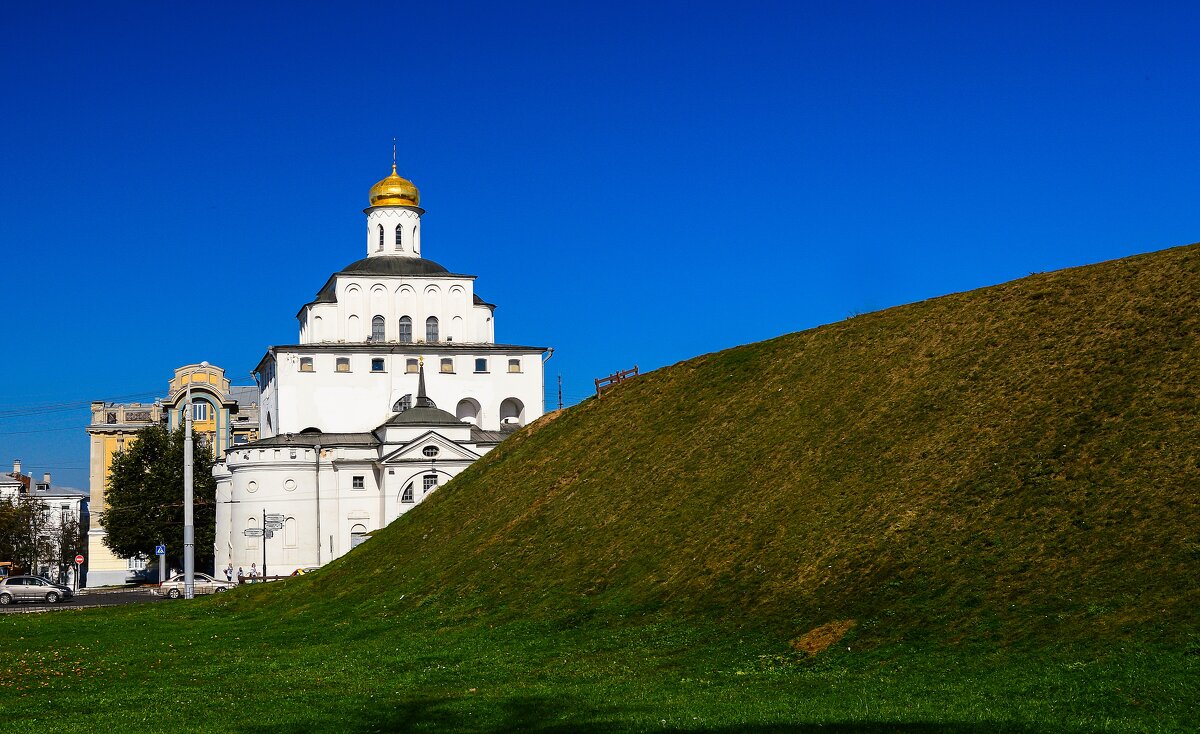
(88,598)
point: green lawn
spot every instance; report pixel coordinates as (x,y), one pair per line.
(205,666)
(994,491)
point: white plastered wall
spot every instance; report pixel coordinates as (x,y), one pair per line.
(390,217)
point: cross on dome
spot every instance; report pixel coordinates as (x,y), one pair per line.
(395,190)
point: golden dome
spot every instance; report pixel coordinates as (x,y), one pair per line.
(395,191)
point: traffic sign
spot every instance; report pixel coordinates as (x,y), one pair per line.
(160,550)
(268,534)
(253,532)
(274,517)
(79,559)
(274,525)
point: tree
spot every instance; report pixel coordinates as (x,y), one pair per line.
(144,498)
(22,540)
(68,542)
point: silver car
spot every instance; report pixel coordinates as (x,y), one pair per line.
(32,588)
(202,583)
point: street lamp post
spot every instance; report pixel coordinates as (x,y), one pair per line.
(189,527)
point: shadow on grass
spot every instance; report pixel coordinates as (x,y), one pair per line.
(545,715)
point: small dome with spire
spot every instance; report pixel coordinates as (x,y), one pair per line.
(395,190)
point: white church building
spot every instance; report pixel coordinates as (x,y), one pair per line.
(396,385)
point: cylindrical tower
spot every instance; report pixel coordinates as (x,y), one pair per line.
(394,218)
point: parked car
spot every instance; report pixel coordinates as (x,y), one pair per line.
(140,576)
(32,588)
(202,583)
(305,570)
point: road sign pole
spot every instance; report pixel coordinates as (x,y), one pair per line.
(264,525)
(78,567)
(162,569)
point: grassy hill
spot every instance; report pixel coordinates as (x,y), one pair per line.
(986,500)
(1017,463)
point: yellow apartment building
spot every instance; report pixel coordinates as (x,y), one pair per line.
(223,416)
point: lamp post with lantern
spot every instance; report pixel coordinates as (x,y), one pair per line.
(189,527)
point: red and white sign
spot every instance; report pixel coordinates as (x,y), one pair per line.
(79,559)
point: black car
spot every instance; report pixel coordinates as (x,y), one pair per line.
(32,588)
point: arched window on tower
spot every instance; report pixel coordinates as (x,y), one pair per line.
(377,329)
(405,330)
(399,236)
(512,413)
(467,410)
(381,238)
(431,329)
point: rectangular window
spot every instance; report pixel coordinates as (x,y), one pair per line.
(199,411)
(411,366)
(306,364)
(481,364)
(358,483)
(430,481)
(447,364)
(514,365)
(343,364)
(240,439)
(377,364)
(66,514)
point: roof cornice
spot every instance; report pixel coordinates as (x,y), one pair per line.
(402,348)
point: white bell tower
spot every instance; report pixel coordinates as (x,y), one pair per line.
(394,217)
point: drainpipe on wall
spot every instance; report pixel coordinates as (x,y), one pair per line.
(545,359)
(317,448)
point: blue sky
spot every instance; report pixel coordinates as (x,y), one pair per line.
(632,183)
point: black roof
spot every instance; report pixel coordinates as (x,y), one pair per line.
(310,438)
(395,265)
(419,416)
(384,265)
(478,435)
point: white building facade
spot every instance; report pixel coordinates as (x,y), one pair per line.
(395,385)
(60,525)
